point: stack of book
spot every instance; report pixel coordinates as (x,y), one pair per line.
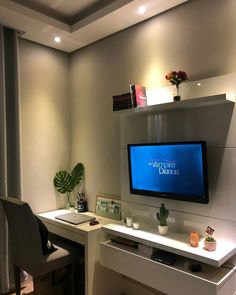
(122,102)
(136,98)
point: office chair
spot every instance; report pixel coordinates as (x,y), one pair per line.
(26,245)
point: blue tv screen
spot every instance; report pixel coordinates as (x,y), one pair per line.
(169,170)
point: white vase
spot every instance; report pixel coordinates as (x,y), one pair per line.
(163,229)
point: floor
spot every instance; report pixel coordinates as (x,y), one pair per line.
(61,286)
(42,287)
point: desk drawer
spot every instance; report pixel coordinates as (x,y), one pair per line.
(172,280)
(65,233)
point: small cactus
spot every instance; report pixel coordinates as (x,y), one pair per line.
(163,215)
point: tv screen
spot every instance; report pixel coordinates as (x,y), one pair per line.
(169,170)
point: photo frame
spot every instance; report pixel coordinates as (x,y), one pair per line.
(108,206)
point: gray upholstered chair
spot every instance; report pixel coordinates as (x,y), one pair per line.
(26,244)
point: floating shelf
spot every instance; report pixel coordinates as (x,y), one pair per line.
(183,104)
(176,243)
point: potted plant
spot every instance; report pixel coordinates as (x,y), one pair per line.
(210,243)
(65,182)
(162,217)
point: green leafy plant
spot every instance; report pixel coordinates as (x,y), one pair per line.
(162,215)
(65,182)
(209,239)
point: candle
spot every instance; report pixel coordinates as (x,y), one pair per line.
(194,238)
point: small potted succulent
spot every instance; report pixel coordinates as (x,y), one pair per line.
(210,243)
(162,217)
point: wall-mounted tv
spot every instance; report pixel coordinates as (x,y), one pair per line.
(169,170)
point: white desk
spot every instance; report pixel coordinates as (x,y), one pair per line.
(98,280)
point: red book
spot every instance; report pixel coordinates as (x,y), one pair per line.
(138,95)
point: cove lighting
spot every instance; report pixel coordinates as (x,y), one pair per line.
(230,96)
(57,39)
(141,9)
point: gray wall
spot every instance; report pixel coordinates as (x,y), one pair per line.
(57,132)
(67,107)
(45,122)
(196,37)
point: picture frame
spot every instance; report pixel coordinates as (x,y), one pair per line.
(108,206)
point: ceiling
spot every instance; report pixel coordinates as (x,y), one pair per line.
(77,22)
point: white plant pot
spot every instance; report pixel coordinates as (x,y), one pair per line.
(210,246)
(163,229)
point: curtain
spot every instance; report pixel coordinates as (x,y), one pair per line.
(10,169)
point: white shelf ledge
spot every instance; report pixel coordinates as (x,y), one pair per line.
(175,243)
(183,104)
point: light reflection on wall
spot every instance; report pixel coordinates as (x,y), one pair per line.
(160,95)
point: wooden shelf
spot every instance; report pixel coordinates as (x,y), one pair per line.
(176,243)
(183,104)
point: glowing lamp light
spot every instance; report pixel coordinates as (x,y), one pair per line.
(141,9)
(57,39)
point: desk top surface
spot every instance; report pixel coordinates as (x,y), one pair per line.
(84,227)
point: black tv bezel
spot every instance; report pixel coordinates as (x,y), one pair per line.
(204,199)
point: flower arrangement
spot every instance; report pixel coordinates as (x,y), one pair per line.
(176,78)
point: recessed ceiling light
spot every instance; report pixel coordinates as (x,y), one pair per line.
(141,9)
(57,39)
(199,84)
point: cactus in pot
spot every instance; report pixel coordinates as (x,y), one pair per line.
(162,216)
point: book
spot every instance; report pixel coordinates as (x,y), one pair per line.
(122,101)
(138,95)
(122,107)
(122,97)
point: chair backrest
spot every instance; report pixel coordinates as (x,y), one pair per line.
(25,241)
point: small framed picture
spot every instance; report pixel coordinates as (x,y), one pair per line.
(108,206)
(209,230)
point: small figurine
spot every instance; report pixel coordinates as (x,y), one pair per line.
(81,202)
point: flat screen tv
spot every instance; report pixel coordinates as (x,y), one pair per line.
(169,170)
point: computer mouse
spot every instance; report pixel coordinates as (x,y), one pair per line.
(93,222)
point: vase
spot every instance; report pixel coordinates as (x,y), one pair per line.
(68,204)
(177,97)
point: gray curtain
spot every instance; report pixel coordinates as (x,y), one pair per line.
(10,176)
